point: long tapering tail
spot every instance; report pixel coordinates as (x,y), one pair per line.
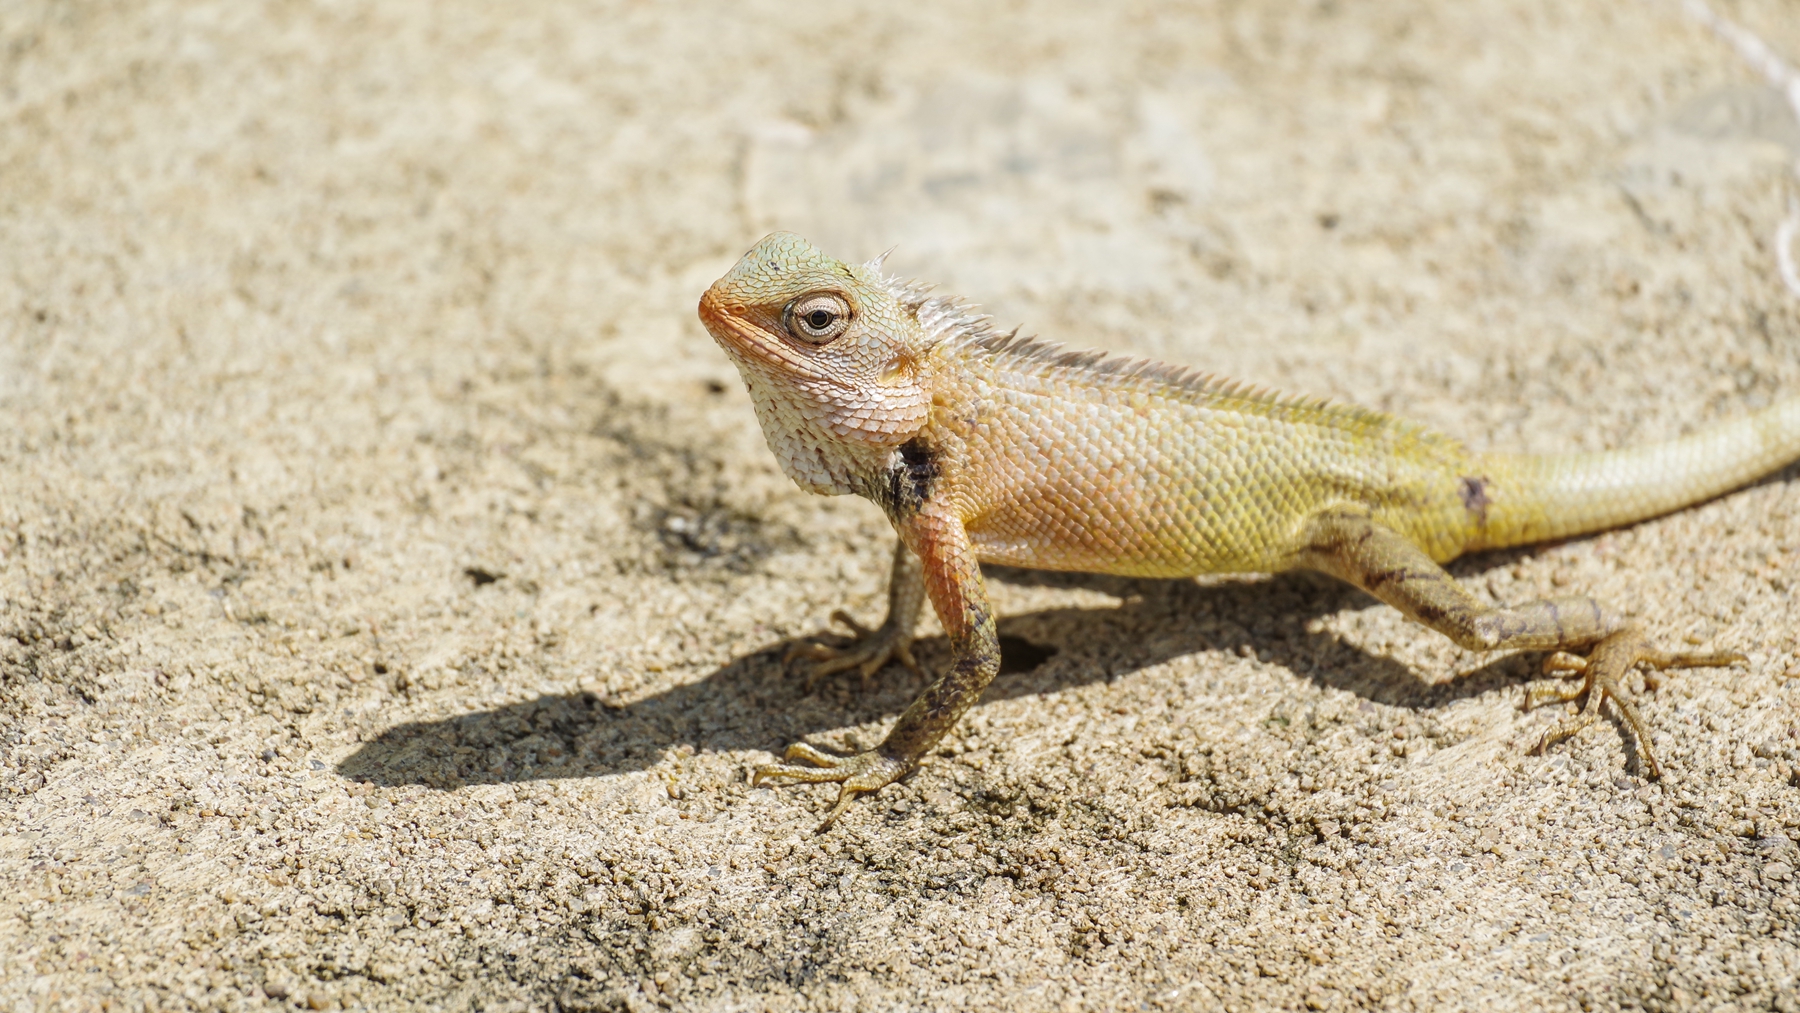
(1533,498)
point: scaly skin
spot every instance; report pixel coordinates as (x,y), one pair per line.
(982,446)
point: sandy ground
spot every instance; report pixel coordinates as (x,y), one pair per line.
(393,582)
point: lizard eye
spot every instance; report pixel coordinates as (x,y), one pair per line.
(818,318)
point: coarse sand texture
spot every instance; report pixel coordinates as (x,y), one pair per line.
(395,584)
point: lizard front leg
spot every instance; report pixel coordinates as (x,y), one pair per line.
(892,640)
(952,580)
(1350,545)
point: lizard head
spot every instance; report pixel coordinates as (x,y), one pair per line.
(832,354)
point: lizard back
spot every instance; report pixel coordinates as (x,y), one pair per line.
(1125,466)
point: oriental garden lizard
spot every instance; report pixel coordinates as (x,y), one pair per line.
(983,446)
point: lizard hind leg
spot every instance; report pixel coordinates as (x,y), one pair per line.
(1352,546)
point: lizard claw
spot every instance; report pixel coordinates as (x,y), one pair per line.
(871,650)
(859,774)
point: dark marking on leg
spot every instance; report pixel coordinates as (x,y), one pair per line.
(1382,578)
(1430,614)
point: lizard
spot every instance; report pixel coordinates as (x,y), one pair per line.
(984,446)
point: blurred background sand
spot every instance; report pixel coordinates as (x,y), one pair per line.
(393,581)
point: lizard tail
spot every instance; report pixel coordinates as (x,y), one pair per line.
(1531,498)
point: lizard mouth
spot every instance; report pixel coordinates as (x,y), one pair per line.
(746,333)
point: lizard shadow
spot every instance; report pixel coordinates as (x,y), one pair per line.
(755,701)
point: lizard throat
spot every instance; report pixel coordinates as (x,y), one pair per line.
(810,452)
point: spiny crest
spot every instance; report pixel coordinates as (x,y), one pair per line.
(1035,357)
(942,318)
(947,319)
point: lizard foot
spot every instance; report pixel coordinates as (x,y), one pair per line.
(1604,669)
(871,650)
(859,774)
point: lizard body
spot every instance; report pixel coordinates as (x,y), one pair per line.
(983,446)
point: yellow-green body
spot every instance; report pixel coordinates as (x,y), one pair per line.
(1122,467)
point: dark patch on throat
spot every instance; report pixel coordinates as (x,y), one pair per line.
(1474,496)
(911,477)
